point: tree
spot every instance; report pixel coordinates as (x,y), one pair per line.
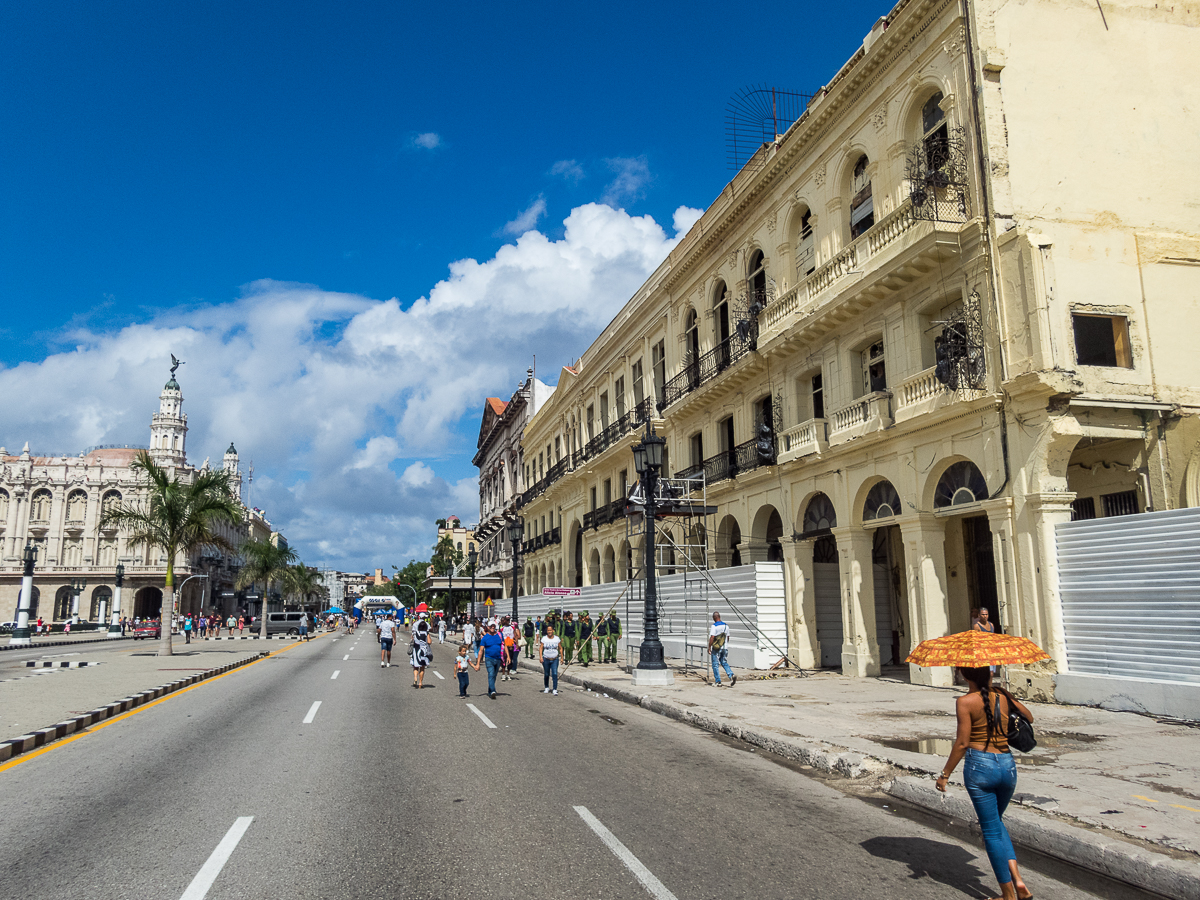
(177,518)
(445,555)
(302,582)
(265,562)
(412,575)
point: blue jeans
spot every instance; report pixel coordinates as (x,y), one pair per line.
(721,656)
(493,664)
(550,670)
(463,680)
(991,779)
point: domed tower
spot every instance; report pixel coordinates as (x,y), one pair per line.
(230,465)
(168,427)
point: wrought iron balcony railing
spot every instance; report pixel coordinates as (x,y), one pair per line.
(714,362)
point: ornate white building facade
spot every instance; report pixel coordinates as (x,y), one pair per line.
(55,504)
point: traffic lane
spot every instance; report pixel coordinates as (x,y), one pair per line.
(77,651)
(146,799)
(700,813)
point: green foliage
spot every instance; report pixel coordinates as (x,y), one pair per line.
(302,584)
(264,562)
(445,556)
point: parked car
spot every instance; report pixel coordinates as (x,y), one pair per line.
(147,630)
(8,626)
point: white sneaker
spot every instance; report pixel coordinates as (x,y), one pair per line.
(389,665)
(546,691)
(555,693)
(382,664)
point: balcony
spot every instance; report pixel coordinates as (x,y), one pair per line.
(804,439)
(864,416)
(730,463)
(711,364)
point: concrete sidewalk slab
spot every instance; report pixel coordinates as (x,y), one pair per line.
(1094,771)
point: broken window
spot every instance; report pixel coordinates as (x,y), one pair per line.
(758,279)
(806,255)
(818,397)
(936,140)
(874,374)
(1102,341)
(862,205)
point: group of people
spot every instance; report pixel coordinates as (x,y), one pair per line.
(210,626)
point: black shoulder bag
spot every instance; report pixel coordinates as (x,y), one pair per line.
(1020,730)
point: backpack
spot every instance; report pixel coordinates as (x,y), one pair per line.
(719,641)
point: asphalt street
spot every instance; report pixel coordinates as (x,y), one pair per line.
(316,774)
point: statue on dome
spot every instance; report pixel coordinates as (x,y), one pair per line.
(175,364)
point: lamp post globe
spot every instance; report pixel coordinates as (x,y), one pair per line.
(516,530)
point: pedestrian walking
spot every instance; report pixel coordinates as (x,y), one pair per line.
(187,629)
(421,654)
(614,637)
(529,631)
(387,635)
(231,622)
(989,773)
(442,630)
(462,665)
(241,625)
(585,630)
(491,652)
(718,650)
(549,656)
(302,629)
(567,632)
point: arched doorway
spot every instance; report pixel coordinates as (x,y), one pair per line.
(36,596)
(968,543)
(820,519)
(578,558)
(62,603)
(608,571)
(768,530)
(881,506)
(147,603)
(101,595)
(729,536)
(594,567)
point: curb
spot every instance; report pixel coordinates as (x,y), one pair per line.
(43,736)
(36,644)
(34,664)
(1146,869)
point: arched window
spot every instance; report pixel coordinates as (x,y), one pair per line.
(76,506)
(961,483)
(720,301)
(109,501)
(99,595)
(819,516)
(62,603)
(757,279)
(691,338)
(806,248)
(39,506)
(882,502)
(862,205)
(3,506)
(935,136)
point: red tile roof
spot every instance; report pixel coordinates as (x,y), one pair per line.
(497,405)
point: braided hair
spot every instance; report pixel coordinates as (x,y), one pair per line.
(981,677)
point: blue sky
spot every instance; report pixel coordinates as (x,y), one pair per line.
(354,221)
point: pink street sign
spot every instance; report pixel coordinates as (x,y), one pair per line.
(562,592)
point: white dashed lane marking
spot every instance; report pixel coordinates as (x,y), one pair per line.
(486,721)
(346,657)
(439,675)
(335,674)
(312,712)
(656,888)
(208,873)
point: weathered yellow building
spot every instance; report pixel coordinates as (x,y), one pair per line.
(956,300)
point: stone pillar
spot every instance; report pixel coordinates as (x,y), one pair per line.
(1046,625)
(800,603)
(753,551)
(924,538)
(860,644)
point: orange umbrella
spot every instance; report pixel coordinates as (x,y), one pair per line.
(977,648)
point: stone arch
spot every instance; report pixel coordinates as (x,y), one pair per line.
(102,594)
(109,501)
(608,569)
(801,237)
(147,603)
(913,103)
(624,561)
(729,536)
(959,483)
(691,336)
(756,274)
(768,530)
(76,505)
(3,505)
(722,318)
(62,603)
(819,515)
(575,565)
(39,505)
(594,566)
(870,490)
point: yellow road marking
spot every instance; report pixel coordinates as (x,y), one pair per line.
(1140,797)
(92,729)
(1188,808)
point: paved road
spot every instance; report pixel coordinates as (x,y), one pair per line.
(391,792)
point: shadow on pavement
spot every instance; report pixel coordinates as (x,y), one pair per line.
(945,863)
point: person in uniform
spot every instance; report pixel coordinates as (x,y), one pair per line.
(529,631)
(585,638)
(602,638)
(614,637)
(567,633)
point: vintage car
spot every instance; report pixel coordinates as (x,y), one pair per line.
(147,630)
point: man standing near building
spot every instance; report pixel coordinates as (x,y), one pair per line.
(718,650)
(614,636)
(567,633)
(585,638)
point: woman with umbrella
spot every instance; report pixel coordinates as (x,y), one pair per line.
(990,773)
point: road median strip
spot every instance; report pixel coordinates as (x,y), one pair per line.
(24,743)
(1119,859)
(61,664)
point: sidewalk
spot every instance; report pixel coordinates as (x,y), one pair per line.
(1111,791)
(59,640)
(36,698)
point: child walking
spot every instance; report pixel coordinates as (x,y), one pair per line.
(461,662)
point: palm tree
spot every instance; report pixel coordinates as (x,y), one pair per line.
(177,518)
(265,562)
(301,581)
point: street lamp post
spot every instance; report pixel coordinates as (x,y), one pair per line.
(179,597)
(77,587)
(516,530)
(114,627)
(472,558)
(21,637)
(648,460)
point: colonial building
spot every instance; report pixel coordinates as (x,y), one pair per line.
(505,472)
(949,308)
(55,504)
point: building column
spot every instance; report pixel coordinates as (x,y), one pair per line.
(753,551)
(800,603)
(860,644)
(928,604)
(1045,623)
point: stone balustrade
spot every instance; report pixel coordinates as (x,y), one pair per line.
(920,387)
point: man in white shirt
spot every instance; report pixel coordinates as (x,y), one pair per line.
(469,636)
(718,650)
(387,634)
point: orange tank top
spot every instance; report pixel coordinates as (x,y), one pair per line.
(999,741)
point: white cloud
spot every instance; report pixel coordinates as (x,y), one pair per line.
(568,170)
(332,395)
(685,217)
(526,220)
(632,175)
(429,140)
